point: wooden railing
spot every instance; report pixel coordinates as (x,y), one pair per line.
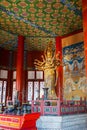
(57,107)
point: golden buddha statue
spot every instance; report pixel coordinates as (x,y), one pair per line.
(50,62)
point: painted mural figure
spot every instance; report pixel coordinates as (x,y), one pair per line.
(67,69)
(75,67)
(50,62)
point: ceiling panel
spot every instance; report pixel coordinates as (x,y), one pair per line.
(38,20)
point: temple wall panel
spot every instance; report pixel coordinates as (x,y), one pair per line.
(74,77)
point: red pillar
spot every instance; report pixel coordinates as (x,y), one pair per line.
(9,90)
(24,97)
(20,65)
(59,87)
(84,12)
(10,74)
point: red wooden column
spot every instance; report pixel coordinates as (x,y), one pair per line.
(25,92)
(59,87)
(20,65)
(84,12)
(10,74)
(9,90)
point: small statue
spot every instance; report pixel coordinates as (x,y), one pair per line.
(50,62)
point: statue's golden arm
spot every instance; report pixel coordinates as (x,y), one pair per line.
(43,58)
(58,62)
(38,61)
(39,64)
(38,67)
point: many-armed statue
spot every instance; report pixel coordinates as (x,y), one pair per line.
(50,62)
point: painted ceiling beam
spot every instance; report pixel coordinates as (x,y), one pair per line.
(72,7)
(40,36)
(26,21)
(26,36)
(9,42)
(9,32)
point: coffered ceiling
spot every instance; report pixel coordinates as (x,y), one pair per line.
(39,21)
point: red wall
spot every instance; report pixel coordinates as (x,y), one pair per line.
(14,59)
(4,58)
(30,57)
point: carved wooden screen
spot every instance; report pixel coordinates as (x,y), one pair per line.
(4,92)
(14,86)
(41,89)
(3,85)
(30,90)
(14,90)
(36,90)
(35,84)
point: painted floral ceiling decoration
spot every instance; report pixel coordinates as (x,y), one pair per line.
(37,20)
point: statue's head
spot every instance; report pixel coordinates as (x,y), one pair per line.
(49,51)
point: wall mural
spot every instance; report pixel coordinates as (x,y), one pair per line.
(75,82)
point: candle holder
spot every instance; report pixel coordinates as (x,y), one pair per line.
(18,111)
(24,108)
